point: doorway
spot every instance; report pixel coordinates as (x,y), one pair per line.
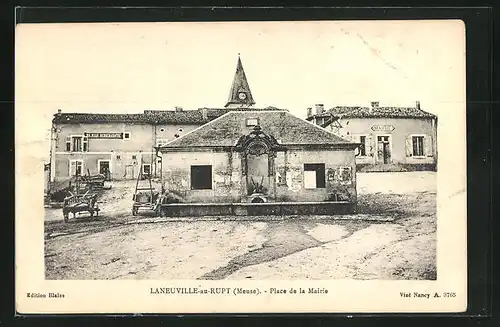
(383,149)
(104,168)
(129,172)
(258,173)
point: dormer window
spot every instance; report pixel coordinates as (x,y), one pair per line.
(252,121)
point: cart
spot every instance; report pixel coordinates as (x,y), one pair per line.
(77,203)
(94,182)
(145,197)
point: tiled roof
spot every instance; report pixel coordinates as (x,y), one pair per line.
(283,126)
(377,112)
(175,117)
(90,118)
(217,112)
(187,117)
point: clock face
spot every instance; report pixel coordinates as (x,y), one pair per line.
(242,96)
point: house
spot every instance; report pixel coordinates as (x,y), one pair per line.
(260,157)
(391,138)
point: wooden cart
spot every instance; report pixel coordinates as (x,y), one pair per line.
(145,196)
(93,182)
(77,203)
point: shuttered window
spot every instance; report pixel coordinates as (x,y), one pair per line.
(364,141)
(75,167)
(418,146)
(77,143)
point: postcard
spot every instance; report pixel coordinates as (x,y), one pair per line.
(241,167)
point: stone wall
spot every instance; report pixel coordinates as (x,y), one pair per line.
(287,183)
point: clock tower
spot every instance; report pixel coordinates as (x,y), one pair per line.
(240,95)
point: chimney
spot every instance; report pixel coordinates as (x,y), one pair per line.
(309,112)
(59,111)
(374,104)
(204,113)
(417,104)
(320,108)
(177,109)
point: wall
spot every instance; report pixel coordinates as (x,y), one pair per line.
(226,175)
(290,164)
(168,132)
(120,152)
(229,185)
(141,136)
(402,129)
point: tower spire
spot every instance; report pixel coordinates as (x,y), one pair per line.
(240,95)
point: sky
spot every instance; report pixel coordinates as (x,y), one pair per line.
(130,67)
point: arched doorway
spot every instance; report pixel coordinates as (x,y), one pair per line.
(258,152)
(257,168)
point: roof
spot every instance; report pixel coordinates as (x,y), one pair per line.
(175,117)
(187,117)
(91,118)
(376,112)
(283,126)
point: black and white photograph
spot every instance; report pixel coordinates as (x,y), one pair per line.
(243,151)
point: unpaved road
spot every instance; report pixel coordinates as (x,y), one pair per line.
(120,246)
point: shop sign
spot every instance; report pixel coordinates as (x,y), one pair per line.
(104,135)
(383,128)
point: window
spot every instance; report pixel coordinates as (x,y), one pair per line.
(68,144)
(76,142)
(314,176)
(85,144)
(252,121)
(362,147)
(162,129)
(75,167)
(126,135)
(418,146)
(134,157)
(118,157)
(146,169)
(201,177)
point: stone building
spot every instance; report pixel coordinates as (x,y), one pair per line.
(266,156)
(391,138)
